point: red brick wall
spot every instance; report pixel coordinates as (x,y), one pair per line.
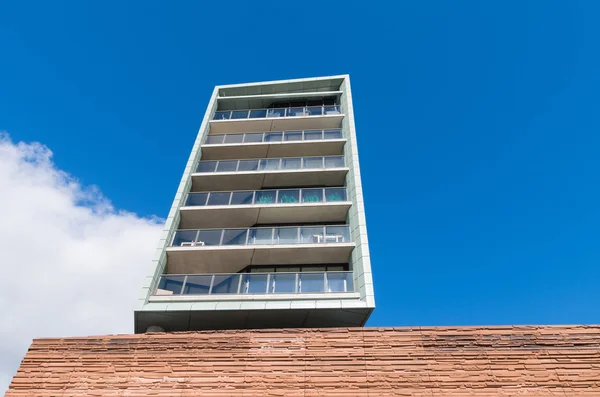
(423,361)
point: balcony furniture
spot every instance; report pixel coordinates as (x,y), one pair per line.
(163,292)
(330,112)
(333,238)
(192,243)
(275,113)
(301,113)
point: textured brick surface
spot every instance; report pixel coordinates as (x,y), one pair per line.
(421,361)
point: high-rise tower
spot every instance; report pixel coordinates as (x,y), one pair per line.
(267,229)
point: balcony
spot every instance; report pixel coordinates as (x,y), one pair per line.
(253,120)
(254,174)
(247,208)
(230,250)
(248,285)
(274,144)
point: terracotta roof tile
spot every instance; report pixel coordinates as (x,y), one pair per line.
(354,362)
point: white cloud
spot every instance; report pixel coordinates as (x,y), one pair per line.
(70,263)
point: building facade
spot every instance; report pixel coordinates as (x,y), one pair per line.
(267,228)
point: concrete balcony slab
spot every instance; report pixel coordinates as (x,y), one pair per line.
(256,180)
(233,258)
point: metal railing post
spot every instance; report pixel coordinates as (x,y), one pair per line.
(272,236)
(212,280)
(197,238)
(325,282)
(247,236)
(183,285)
(222,236)
(268,282)
(239,288)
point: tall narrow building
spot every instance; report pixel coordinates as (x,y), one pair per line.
(267,229)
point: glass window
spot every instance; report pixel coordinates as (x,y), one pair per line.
(209,237)
(273,136)
(269,164)
(283,283)
(184,238)
(170,285)
(331,110)
(234,138)
(248,165)
(219,198)
(226,284)
(222,115)
(253,138)
(258,114)
(315,110)
(235,236)
(337,234)
(312,282)
(214,139)
(296,112)
(313,135)
(339,282)
(289,196)
(335,194)
(291,163)
(255,283)
(227,166)
(196,199)
(239,114)
(313,162)
(334,162)
(286,235)
(311,234)
(265,197)
(261,236)
(197,285)
(333,134)
(312,195)
(206,166)
(292,136)
(241,198)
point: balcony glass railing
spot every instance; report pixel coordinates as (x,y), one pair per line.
(262,236)
(278,113)
(266,197)
(267,137)
(255,283)
(280,164)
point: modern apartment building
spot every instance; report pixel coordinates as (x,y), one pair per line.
(267,229)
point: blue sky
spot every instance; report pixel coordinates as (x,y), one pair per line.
(477,127)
